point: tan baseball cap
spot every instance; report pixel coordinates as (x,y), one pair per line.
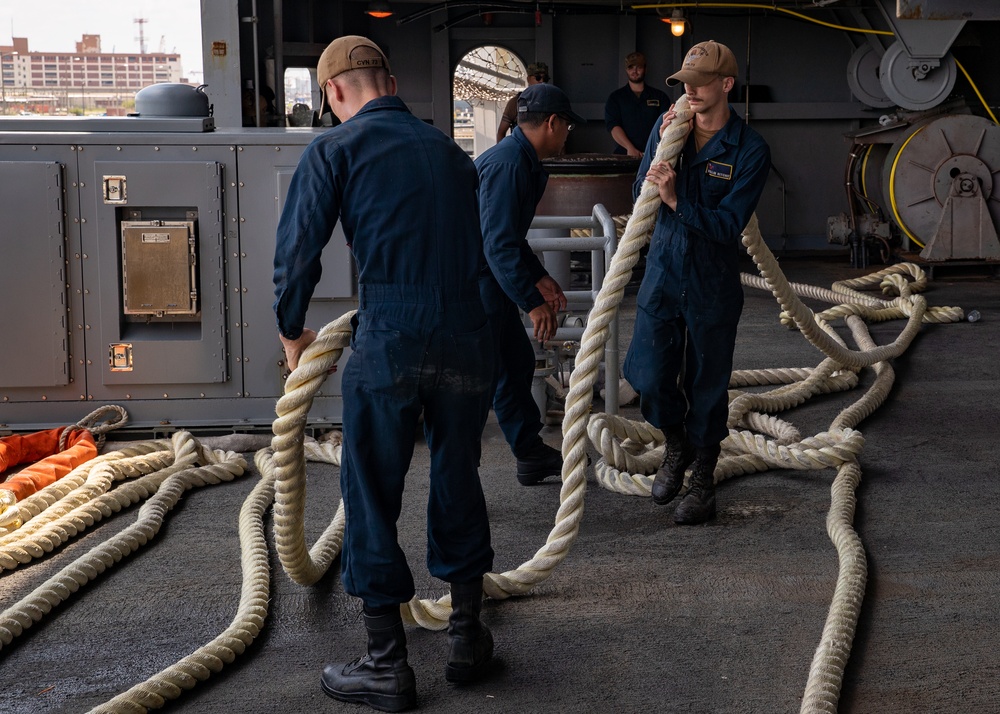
(635,59)
(703,63)
(343,54)
(347,53)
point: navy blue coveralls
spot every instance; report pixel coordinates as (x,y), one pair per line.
(635,115)
(511,183)
(691,288)
(406,196)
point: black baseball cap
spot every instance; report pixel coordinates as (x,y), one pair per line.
(548,99)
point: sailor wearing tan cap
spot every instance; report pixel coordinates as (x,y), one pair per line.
(691,298)
(633,110)
(405,195)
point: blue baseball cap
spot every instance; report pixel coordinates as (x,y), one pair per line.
(547,99)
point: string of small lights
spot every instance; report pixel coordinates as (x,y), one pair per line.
(488,74)
(469,89)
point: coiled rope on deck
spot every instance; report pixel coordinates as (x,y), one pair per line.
(287,461)
(51,455)
(157,472)
(633,450)
(636,444)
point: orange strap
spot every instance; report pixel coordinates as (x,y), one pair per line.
(48,464)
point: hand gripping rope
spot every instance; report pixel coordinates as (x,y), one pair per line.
(632,450)
(161,471)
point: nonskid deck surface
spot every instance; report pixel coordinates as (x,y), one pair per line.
(642,615)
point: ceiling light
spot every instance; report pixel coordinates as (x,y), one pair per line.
(379,9)
(678,23)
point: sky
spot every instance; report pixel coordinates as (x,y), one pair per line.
(57,25)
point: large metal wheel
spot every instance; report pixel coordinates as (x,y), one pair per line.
(920,168)
(912,83)
(863,77)
(870,173)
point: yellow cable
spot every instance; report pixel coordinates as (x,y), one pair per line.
(864,169)
(892,189)
(976,90)
(872,206)
(757,6)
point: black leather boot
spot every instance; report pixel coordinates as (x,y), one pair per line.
(470,641)
(382,679)
(543,461)
(698,504)
(677,456)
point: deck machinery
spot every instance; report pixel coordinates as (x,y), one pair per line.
(137,251)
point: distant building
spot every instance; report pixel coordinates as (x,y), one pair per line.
(86,81)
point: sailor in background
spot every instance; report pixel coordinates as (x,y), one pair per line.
(632,111)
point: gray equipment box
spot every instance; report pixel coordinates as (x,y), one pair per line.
(138,262)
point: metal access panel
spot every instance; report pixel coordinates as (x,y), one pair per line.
(265,173)
(154,267)
(34,350)
(159,268)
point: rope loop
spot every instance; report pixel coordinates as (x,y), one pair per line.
(99,422)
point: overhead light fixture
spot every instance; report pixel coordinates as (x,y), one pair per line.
(379,9)
(678,23)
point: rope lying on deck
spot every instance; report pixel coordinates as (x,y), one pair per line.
(631,450)
(50,455)
(157,472)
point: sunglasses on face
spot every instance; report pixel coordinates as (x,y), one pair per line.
(541,77)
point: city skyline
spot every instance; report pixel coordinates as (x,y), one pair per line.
(177,25)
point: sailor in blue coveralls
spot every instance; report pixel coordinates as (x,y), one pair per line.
(405,195)
(690,299)
(632,111)
(511,183)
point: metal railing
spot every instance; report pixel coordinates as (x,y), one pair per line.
(602,244)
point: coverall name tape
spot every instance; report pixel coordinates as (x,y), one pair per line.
(717,169)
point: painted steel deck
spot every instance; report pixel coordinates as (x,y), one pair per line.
(643,615)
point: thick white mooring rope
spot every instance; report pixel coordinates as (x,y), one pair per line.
(160,471)
(632,450)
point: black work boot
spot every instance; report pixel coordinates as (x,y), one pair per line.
(543,461)
(382,679)
(698,504)
(470,641)
(677,456)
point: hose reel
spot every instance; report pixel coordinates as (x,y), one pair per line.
(937,184)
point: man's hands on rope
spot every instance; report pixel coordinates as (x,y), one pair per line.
(543,317)
(662,173)
(295,348)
